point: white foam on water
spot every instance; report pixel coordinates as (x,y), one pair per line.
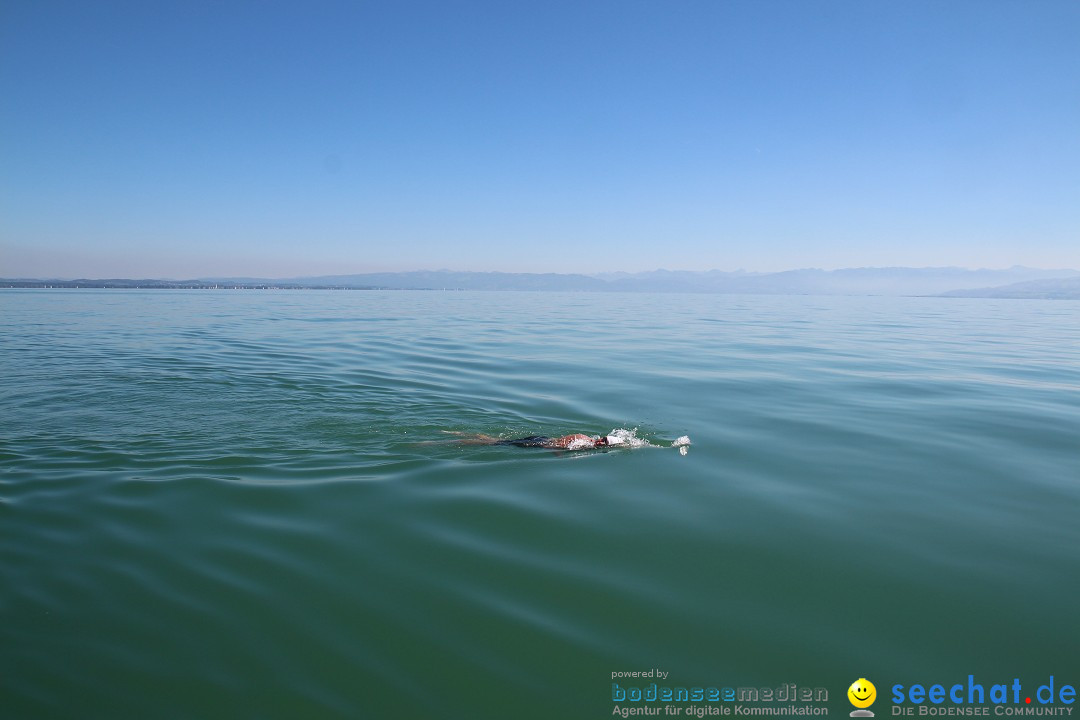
(629,438)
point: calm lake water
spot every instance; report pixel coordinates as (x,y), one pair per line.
(223,504)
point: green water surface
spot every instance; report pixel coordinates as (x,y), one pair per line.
(243,503)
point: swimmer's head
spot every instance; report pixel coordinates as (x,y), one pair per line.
(611,440)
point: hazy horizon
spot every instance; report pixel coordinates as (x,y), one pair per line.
(600,274)
(213,141)
(107,267)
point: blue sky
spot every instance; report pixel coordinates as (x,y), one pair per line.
(184,139)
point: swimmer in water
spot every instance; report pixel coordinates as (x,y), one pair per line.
(577,441)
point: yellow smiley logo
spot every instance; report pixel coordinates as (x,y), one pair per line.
(862,693)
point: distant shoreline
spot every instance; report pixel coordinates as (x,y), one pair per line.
(1017,282)
(158,285)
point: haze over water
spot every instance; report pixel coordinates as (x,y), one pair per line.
(244,504)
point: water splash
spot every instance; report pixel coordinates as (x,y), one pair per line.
(619,438)
(628,437)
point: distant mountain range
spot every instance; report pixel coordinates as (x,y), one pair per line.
(1051,289)
(946,281)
